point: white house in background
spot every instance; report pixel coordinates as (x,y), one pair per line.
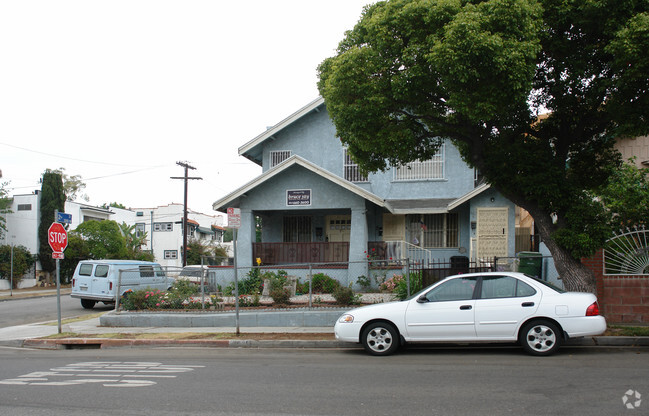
(163,226)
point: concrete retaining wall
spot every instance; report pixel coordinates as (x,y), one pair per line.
(285,318)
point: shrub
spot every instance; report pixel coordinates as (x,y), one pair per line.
(184,288)
(321,283)
(345,296)
(401,289)
(280,295)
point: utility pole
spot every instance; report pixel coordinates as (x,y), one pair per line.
(186,178)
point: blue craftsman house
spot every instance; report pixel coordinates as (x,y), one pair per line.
(315,205)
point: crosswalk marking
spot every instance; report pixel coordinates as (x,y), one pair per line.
(106,373)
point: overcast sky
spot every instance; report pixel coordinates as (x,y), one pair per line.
(119,91)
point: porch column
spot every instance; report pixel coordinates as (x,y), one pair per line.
(358,246)
(245,238)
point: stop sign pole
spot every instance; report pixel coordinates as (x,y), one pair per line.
(57,237)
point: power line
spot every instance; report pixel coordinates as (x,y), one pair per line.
(64,157)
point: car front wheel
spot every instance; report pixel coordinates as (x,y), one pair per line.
(380,338)
(540,338)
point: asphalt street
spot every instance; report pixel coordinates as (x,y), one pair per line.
(425,381)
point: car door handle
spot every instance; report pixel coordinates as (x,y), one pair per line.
(527,304)
(466,307)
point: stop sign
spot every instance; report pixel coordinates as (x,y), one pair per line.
(57,237)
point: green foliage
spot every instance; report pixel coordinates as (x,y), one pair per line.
(401,288)
(479,73)
(184,288)
(344,295)
(5,203)
(73,186)
(321,283)
(364,282)
(23,260)
(103,239)
(52,199)
(280,295)
(626,196)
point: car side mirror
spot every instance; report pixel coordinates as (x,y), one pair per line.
(422,299)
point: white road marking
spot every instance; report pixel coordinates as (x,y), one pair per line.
(106,373)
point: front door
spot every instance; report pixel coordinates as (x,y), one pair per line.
(492,232)
(339,228)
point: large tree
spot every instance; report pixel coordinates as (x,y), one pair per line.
(52,199)
(103,239)
(481,73)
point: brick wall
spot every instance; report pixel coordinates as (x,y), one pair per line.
(622,299)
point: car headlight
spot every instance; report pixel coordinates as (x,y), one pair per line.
(346,318)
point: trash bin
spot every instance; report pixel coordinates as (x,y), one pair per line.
(459,264)
(530,262)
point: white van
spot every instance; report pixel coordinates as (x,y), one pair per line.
(96,280)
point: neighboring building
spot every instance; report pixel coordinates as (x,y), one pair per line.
(316,206)
(166,221)
(637,147)
(164,225)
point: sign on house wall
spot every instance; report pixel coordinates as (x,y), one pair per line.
(298,197)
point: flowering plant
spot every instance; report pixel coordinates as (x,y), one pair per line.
(392,283)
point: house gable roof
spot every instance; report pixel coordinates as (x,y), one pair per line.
(223,203)
(253,150)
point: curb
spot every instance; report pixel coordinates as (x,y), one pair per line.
(103,343)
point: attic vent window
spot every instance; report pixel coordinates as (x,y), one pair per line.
(352,171)
(140,214)
(278,156)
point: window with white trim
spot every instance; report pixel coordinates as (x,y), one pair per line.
(139,229)
(163,226)
(278,156)
(352,171)
(171,254)
(432,168)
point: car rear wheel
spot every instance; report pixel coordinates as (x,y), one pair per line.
(540,338)
(380,338)
(87,303)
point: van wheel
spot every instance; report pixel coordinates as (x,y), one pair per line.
(87,303)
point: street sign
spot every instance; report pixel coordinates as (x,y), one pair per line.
(234,217)
(63,218)
(57,237)
(59,256)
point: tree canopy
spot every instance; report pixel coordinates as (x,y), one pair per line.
(52,199)
(532,92)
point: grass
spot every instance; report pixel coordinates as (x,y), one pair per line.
(627,331)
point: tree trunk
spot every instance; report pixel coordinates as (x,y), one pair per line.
(575,276)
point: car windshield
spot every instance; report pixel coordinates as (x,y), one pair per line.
(545,283)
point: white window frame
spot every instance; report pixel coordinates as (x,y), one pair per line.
(163,226)
(351,171)
(140,229)
(418,170)
(278,156)
(171,254)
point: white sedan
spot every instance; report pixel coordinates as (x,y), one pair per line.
(478,307)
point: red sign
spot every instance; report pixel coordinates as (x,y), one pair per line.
(57,237)
(59,256)
(234,218)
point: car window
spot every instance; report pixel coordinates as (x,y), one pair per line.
(85,270)
(454,289)
(101,271)
(146,271)
(495,287)
(159,271)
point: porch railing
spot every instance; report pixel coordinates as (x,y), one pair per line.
(288,253)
